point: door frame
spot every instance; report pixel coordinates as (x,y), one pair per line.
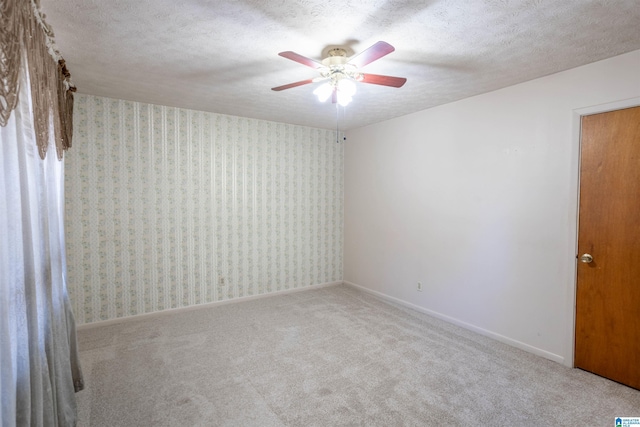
(573,228)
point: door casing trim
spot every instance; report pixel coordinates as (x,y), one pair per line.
(573,228)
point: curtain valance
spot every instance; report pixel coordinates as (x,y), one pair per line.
(27,41)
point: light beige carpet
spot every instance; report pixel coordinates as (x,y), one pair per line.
(327,357)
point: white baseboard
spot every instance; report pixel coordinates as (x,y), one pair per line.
(501,338)
(452,320)
(170,311)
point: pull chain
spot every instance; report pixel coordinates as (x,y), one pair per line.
(337,127)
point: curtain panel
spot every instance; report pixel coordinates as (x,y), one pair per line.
(39,365)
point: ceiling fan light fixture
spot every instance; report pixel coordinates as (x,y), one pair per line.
(345,89)
(323,92)
(346,86)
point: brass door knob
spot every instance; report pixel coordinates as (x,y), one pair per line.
(586,258)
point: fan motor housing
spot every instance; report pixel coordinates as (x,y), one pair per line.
(337,56)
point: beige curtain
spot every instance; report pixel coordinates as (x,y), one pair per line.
(39,366)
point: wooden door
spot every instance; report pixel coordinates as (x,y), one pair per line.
(607,339)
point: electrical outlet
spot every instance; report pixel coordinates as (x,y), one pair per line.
(419,286)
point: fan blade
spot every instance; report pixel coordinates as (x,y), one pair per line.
(378,79)
(301,59)
(369,55)
(290,85)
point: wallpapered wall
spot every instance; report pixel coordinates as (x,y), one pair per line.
(167,207)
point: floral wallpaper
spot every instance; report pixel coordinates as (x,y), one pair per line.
(167,208)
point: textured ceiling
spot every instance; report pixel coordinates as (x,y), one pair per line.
(222,56)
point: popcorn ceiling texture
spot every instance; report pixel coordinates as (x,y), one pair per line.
(162,203)
(221,56)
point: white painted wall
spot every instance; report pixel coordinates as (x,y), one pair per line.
(477,199)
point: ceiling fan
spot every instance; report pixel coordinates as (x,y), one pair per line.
(340,73)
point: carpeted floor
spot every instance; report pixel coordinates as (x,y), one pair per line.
(330,356)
